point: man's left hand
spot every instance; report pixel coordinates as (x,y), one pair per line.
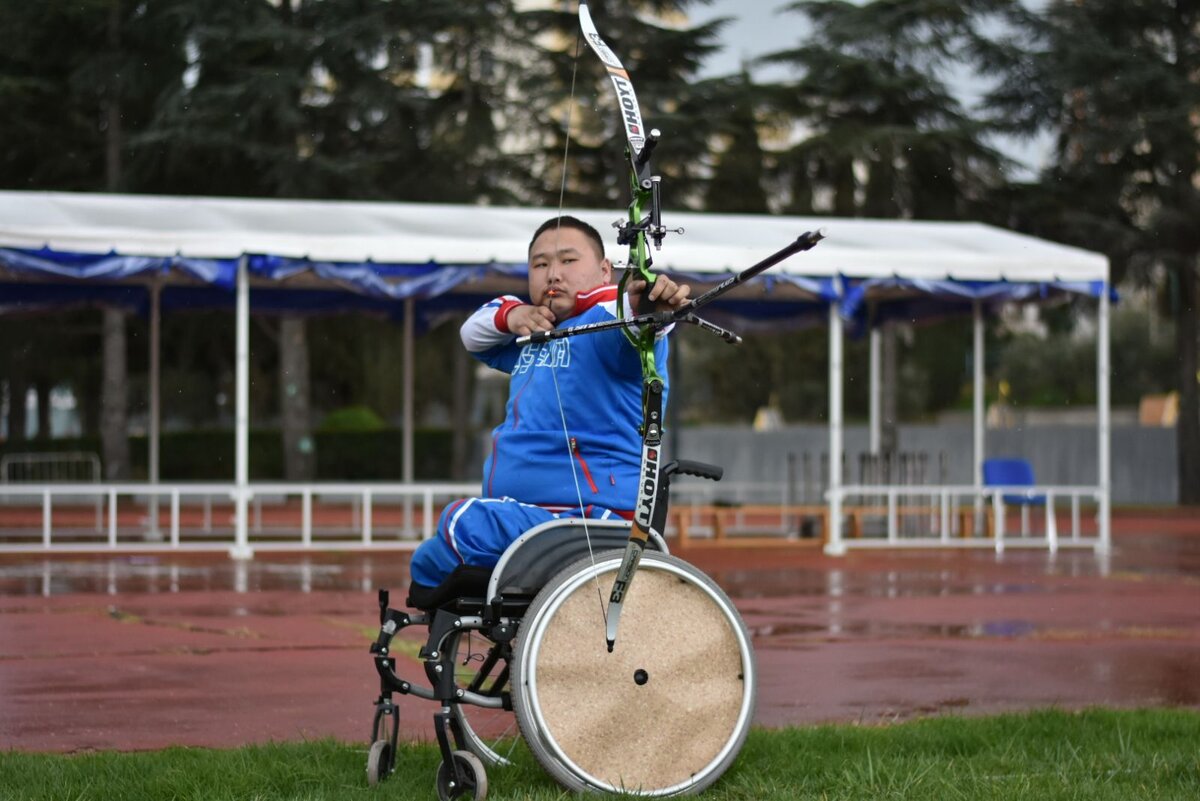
(666,294)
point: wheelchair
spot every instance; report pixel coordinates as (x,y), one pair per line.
(520,649)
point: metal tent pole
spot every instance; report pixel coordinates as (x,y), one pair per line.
(155,401)
(241,547)
(875,391)
(407,377)
(977,413)
(410,308)
(1103,432)
(835,546)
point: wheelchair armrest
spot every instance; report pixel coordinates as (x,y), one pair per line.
(689,468)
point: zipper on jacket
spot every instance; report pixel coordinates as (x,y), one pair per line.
(587,473)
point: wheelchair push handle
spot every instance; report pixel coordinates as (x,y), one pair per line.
(689,468)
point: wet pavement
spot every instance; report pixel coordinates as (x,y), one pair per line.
(137,652)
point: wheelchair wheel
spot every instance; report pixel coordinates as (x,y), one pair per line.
(381,759)
(482,667)
(475,785)
(379,762)
(667,712)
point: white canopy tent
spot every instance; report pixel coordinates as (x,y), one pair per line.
(356,232)
(227,242)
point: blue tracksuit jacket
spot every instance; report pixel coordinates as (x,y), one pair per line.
(598,378)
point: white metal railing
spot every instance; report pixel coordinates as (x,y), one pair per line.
(41,468)
(352,515)
(321,515)
(192,524)
(935,515)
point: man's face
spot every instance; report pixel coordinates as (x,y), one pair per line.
(562,263)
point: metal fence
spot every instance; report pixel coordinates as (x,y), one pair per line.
(935,516)
(204,516)
(72,467)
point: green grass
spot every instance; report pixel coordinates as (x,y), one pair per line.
(1092,755)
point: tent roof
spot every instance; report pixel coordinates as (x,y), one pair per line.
(403,233)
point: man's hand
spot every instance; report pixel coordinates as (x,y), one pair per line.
(525,320)
(666,294)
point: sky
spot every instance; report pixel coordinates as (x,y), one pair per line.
(758,28)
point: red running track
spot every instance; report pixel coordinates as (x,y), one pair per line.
(140,652)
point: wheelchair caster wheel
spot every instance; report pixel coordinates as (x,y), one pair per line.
(379,762)
(474,778)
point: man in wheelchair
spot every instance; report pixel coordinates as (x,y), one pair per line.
(588,386)
(509,588)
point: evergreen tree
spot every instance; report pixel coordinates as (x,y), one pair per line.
(738,178)
(76,77)
(372,99)
(883,135)
(662,61)
(1118,82)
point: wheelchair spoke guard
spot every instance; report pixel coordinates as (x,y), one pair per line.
(666,712)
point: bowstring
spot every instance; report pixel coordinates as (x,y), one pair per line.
(562,190)
(578,492)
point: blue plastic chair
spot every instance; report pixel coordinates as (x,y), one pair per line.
(1012,473)
(1017,473)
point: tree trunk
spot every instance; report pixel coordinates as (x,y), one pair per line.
(114,427)
(880,196)
(112,105)
(43,408)
(87,393)
(845,189)
(114,402)
(299,451)
(1188,428)
(889,378)
(17,389)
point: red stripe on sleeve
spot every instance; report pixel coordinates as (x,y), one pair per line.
(501,319)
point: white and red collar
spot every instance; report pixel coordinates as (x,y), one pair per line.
(601,294)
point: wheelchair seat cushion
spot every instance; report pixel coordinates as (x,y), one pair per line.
(466,581)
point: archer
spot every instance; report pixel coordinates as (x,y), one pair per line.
(569,444)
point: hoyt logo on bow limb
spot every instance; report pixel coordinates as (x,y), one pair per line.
(649,487)
(629,111)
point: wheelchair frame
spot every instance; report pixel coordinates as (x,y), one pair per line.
(496,615)
(540,571)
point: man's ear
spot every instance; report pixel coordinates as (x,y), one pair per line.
(606,269)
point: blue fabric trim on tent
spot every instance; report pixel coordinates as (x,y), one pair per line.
(431,278)
(114,267)
(955,293)
(267,301)
(822,288)
(424,280)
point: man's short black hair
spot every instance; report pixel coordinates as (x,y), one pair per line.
(567,221)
